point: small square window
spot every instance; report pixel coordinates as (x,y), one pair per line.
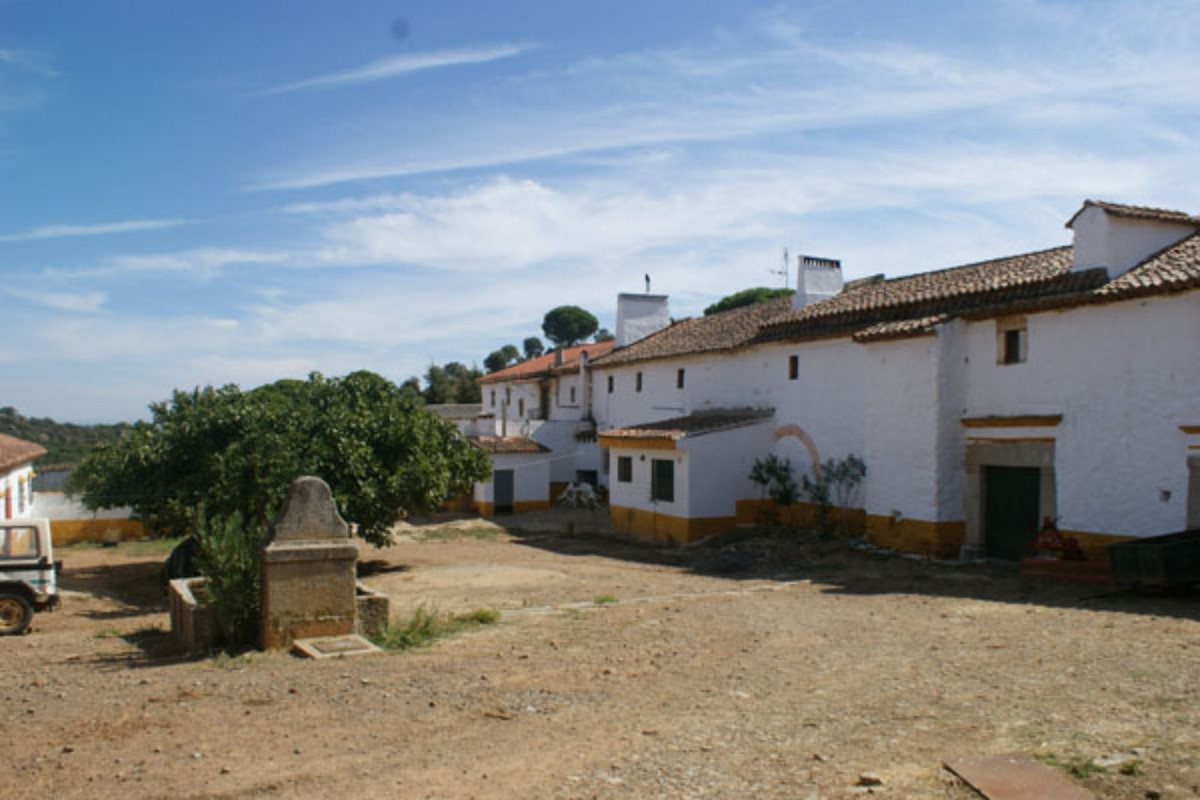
(572,394)
(793,367)
(662,481)
(610,384)
(1012,340)
(638,383)
(520,406)
(624,469)
(679,378)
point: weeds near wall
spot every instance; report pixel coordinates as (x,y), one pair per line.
(835,487)
(774,475)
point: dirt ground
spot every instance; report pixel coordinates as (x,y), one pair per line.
(763,667)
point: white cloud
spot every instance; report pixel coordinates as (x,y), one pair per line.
(94,229)
(404,64)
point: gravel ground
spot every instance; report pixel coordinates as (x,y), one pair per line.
(763,667)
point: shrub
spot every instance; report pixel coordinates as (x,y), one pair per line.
(229,555)
(837,484)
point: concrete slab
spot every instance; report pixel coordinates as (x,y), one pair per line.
(1014,776)
(334,646)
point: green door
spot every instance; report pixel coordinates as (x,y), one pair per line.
(1011,512)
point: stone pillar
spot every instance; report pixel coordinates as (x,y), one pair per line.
(308,569)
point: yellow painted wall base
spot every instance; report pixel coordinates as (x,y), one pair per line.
(919,536)
(72,531)
(488,510)
(797,515)
(1095,545)
(665,528)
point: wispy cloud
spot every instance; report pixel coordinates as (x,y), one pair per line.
(62,301)
(394,66)
(95,229)
(198,263)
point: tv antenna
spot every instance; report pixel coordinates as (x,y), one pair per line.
(783,270)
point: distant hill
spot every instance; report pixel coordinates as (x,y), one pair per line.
(66,443)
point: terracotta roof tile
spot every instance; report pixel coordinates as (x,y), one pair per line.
(508,444)
(873,309)
(544,364)
(14,452)
(987,285)
(723,331)
(1171,270)
(695,424)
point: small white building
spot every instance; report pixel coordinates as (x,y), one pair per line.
(16,475)
(1061,384)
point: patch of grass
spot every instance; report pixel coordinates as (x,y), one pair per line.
(150,547)
(450,532)
(1132,769)
(1076,767)
(604,599)
(227,660)
(426,625)
(106,633)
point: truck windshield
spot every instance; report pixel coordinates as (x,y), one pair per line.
(18,542)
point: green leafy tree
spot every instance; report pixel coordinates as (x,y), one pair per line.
(746,297)
(451,383)
(533,347)
(495,361)
(568,325)
(236,453)
(603,335)
(511,354)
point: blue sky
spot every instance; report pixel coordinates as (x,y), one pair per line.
(217,192)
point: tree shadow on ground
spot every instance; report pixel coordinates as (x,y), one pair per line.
(136,585)
(847,566)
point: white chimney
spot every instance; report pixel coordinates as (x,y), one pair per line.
(817,279)
(1118,238)
(639,315)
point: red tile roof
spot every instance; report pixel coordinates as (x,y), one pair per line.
(545,365)
(695,424)
(14,452)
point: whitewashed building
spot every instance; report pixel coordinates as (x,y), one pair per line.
(16,475)
(536,425)
(1061,384)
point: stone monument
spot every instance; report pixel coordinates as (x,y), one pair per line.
(308,586)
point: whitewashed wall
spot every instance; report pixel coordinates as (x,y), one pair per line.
(1124,376)
(18,482)
(531,477)
(720,462)
(901,429)
(636,493)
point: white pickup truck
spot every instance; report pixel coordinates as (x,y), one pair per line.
(28,573)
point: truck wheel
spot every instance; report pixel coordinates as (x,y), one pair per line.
(15,614)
